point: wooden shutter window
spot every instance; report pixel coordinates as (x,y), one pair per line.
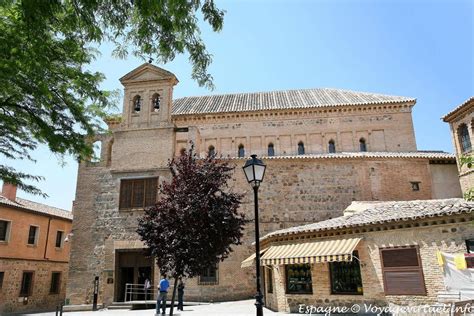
(151,187)
(126,194)
(402,271)
(138,193)
(400,258)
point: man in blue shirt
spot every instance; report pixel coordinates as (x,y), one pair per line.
(162,292)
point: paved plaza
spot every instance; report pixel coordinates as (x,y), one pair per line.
(238,308)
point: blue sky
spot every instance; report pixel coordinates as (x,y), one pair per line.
(416,48)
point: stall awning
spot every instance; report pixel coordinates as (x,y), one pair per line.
(311,252)
(250,261)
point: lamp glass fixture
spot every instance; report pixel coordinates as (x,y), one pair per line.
(254,170)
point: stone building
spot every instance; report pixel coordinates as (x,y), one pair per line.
(33,254)
(383,253)
(324,148)
(461,123)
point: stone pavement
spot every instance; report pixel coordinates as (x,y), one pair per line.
(238,308)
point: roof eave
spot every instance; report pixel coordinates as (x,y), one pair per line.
(459,110)
(22,208)
(409,102)
(274,235)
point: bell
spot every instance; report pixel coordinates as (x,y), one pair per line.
(156,103)
(137,105)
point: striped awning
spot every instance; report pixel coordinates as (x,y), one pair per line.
(311,252)
(250,261)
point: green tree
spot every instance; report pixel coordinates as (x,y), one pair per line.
(47,96)
(196,220)
(468,161)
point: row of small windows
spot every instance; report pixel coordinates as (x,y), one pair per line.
(155,103)
(33,234)
(346,278)
(301,149)
(26,286)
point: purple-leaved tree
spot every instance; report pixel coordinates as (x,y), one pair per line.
(196,220)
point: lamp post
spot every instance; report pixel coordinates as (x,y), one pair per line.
(254,170)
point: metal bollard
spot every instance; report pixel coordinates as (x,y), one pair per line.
(57,310)
(96,293)
(61,309)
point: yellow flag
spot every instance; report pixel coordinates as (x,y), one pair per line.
(460,261)
(440,258)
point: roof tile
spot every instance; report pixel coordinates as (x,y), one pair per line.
(36,207)
(279,100)
(384,212)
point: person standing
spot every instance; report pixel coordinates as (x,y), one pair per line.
(180,294)
(147,287)
(163,287)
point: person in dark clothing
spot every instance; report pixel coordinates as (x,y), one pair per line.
(180,294)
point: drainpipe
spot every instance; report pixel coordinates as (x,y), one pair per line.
(47,239)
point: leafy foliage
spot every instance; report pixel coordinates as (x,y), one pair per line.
(47,95)
(196,220)
(468,161)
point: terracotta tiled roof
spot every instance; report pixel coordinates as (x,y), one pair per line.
(280,100)
(463,106)
(36,207)
(362,155)
(386,212)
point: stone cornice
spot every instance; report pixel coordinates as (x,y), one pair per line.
(297,113)
(460,110)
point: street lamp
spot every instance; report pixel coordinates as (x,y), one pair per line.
(254,170)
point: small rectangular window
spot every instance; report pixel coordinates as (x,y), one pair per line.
(26,284)
(59,239)
(138,193)
(209,276)
(2,275)
(33,235)
(298,279)
(415,185)
(55,283)
(270,280)
(346,277)
(4,230)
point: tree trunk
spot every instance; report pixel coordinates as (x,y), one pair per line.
(174,295)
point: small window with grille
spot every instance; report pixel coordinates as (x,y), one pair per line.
(298,279)
(209,276)
(346,277)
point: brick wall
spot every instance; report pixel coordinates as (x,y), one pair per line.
(40,299)
(388,128)
(448,238)
(295,192)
